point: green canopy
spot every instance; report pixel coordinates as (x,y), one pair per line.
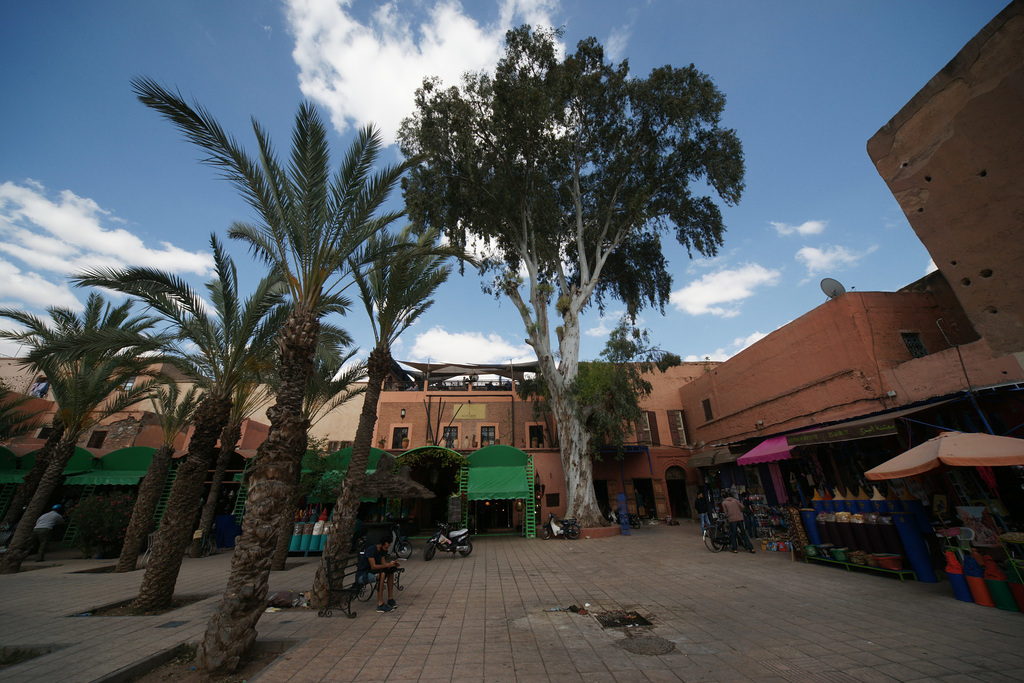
(9,472)
(123,467)
(498,473)
(338,462)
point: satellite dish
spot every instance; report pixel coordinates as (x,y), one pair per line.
(832,288)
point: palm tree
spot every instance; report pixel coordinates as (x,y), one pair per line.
(308,225)
(332,384)
(395,287)
(174,413)
(220,343)
(87,387)
(14,419)
(248,396)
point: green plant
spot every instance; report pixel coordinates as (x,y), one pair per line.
(102,522)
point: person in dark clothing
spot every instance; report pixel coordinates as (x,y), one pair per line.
(733,510)
(373,565)
(702,512)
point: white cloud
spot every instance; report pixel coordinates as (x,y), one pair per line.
(615,43)
(721,354)
(21,288)
(931,267)
(805,228)
(67,234)
(830,258)
(367,71)
(707,294)
(437,344)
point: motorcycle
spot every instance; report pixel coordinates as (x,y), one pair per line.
(446,540)
(400,545)
(566,528)
(634,519)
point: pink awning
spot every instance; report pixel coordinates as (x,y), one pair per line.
(771,449)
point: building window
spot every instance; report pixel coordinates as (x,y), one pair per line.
(96,440)
(536,433)
(45,432)
(914,344)
(486,436)
(450,437)
(551,500)
(708,415)
(643,429)
(128,384)
(335,446)
(678,427)
(398,436)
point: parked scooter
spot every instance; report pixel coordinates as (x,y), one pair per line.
(446,540)
(564,528)
(634,519)
(400,545)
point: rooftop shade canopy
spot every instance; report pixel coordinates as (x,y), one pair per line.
(958,449)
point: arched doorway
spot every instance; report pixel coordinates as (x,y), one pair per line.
(675,483)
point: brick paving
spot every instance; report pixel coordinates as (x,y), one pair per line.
(729,617)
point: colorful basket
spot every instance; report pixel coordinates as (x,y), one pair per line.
(839,554)
(889,561)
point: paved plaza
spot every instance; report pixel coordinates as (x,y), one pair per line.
(488,617)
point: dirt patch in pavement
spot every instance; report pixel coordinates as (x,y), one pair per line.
(182,668)
(124,609)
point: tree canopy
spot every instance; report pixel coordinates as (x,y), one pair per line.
(571,171)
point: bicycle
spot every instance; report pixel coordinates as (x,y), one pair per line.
(716,537)
(207,546)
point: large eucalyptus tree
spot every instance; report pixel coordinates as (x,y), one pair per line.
(573,170)
(307,223)
(88,385)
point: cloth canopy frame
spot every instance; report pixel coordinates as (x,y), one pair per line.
(957,449)
(498,472)
(772,449)
(720,456)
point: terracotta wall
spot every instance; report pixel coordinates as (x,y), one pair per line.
(952,159)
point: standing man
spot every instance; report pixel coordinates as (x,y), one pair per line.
(45,525)
(733,510)
(702,511)
(374,566)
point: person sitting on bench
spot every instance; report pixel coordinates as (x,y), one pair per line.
(374,566)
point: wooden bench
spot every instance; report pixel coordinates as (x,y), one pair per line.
(341,586)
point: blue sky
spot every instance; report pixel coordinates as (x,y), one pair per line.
(89,176)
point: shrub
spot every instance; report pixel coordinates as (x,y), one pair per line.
(102,521)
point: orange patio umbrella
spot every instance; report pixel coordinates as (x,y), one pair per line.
(959,449)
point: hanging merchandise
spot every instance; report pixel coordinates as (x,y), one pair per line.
(296,541)
(319,532)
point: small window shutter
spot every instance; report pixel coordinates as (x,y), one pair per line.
(652,426)
(677,427)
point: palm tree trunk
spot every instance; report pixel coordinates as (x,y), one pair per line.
(161,575)
(285,527)
(231,631)
(20,544)
(145,505)
(343,521)
(228,440)
(28,486)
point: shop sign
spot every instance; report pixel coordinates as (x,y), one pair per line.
(843,433)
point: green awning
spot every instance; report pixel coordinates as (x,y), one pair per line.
(127,459)
(106,478)
(11,476)
(79,463)
(497,483)
(497,473)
